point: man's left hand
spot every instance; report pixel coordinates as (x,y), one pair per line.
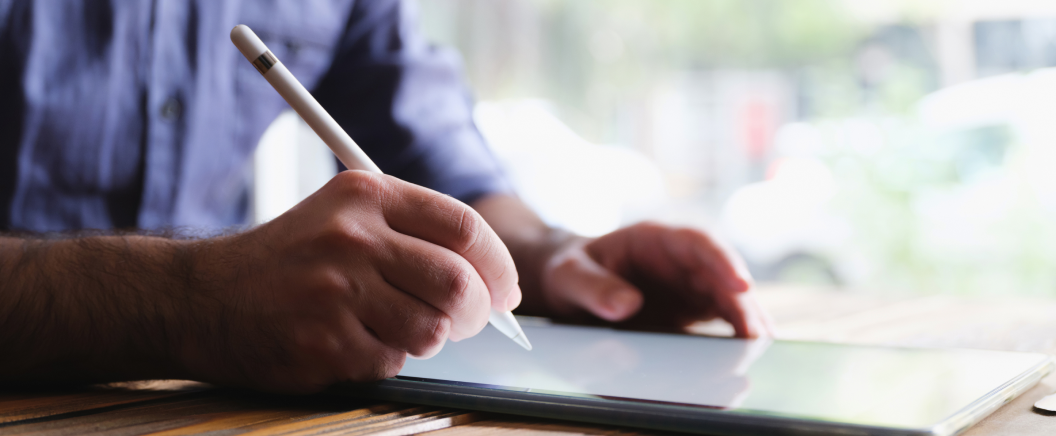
(653,275)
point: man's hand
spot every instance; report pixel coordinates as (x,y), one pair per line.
(345,285)
(649,275)
(342,287)
(653,275)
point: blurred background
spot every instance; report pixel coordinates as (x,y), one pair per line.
(890,146)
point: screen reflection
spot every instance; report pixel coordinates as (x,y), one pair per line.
(866,385)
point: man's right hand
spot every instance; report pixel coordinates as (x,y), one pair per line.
(343,287)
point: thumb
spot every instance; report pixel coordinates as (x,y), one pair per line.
(578,281)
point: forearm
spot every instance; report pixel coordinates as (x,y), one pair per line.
(531,243)
(91,309)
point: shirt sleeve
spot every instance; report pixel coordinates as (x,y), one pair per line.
(404,102)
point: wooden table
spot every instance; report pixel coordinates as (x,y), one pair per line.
(175,407)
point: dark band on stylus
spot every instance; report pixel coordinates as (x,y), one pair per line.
(265,61)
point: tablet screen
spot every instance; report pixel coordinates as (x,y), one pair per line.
(896,387)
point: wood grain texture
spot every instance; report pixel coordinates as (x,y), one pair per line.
(176,407)
(29,405)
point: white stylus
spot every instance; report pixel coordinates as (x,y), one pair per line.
(332,134)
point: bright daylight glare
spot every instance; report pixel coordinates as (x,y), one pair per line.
(874,146)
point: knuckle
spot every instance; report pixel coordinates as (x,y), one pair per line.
(691,234)
(569,263)
(379,364)
(345,233)
(323,346)
(459,281)
(441,327)
(470,226)
(362,183)
(435,331)
(325,286)
(685,233)
(650,226)
(388,363)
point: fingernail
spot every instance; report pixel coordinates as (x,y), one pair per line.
(621,302)
(738,284)
(514,299)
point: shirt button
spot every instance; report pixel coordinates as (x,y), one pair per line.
(171,109)
(292,48)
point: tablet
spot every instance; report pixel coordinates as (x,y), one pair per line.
(716,385)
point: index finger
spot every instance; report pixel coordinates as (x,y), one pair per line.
(428,215)
(695,251)
(675,252)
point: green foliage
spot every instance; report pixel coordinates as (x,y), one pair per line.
(947,213)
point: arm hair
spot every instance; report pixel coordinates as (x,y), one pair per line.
(93,307)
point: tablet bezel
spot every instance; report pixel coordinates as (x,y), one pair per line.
(660,415)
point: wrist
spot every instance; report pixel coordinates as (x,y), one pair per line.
(150,284)
(202,272)
(187,273)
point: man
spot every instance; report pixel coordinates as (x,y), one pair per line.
(142,115)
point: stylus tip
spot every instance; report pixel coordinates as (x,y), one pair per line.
(523,341)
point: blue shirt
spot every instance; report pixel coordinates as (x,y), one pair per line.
(127,113)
